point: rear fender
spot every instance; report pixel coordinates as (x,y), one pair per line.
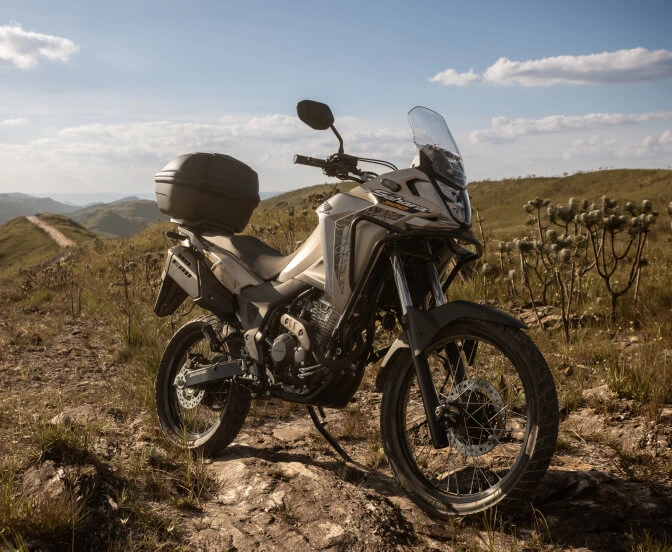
(187,274)
(426,325)
(170,297)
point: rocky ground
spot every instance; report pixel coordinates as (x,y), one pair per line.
(281,487)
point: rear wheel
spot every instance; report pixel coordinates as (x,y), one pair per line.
(501,419)
(207,417)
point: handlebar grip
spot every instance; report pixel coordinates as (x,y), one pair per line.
(310,161)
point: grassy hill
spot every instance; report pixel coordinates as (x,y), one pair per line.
(22,244)
(17,205)
(71,229)
(500,203)
(304,196)
(121,218)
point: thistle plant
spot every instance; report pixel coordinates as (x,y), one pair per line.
(569,242)
(617,238)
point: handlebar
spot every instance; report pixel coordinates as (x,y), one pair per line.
(341,166)
(310,161)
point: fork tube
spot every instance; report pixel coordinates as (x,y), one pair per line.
(430,399)
(437,290)
(401,283)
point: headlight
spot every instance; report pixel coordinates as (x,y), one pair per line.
(457,202)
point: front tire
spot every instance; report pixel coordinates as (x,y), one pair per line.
(207,418)
(504,410)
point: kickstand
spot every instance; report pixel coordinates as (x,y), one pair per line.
(319,424)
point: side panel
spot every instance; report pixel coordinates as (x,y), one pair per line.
(188,270)
(309,253)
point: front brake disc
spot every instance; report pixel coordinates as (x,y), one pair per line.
(483,417)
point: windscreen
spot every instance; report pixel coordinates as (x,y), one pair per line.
(430,128)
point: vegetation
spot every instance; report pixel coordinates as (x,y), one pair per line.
(599,313)
(23,244)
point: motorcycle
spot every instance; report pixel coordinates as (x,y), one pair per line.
(469,412)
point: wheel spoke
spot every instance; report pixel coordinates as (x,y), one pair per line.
(483,447)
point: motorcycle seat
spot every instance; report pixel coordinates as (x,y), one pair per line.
(265,261)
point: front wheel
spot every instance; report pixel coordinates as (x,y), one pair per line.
(208,417)
(501,419)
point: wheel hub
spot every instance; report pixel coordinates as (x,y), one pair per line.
(188,397)
(482,417)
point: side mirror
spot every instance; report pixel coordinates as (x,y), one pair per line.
(315,114)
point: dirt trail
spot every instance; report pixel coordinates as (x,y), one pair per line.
(54,234)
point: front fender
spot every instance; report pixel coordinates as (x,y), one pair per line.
(426,325)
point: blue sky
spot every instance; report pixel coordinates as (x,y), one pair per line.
(97,97)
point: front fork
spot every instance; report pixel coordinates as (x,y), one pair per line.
(430,398)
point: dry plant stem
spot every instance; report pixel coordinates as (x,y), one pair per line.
(480,228)
(564,304)
(528,287)
(606,267)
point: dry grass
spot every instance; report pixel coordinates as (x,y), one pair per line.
(117,281)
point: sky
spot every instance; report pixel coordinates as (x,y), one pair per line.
(96,97)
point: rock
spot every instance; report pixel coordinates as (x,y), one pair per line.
(295,469)
(665,415)
(324,534)
(291,433)
(275,500)
(80,415)
(44,482)
(601,392)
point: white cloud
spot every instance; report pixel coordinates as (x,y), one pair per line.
(450,77)
(19,121)
(622,66)
(23,49)
(649,147)
(271,127)
(266,142)
(507,130)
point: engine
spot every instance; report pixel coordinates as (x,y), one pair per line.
(292,352)
(323,322)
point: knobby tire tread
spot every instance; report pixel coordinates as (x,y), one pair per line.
(509,340)
(238,400)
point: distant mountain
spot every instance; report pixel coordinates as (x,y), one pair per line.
(17,205)
(89,199)
(123,217)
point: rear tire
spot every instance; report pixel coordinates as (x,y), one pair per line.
(505,436)
(207,419)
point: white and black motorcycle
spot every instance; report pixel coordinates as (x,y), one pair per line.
(469,414)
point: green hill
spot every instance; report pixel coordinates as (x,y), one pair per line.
(304,196)
(123,218)
(22,244)
(71,229)
(500,203)
(18,205)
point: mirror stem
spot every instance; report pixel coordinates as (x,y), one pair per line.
(340,140)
